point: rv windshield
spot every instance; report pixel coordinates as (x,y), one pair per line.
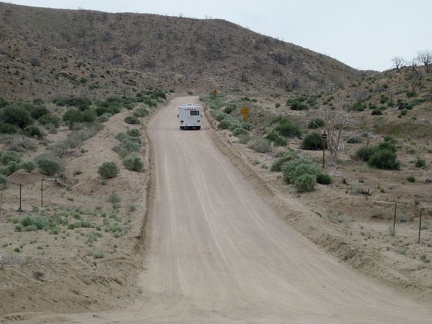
(194,112)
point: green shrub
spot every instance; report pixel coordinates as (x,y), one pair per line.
(260,145)
(6,128)
(229,108)
(411,179)
(33,130)
(141,112)
(3,181)
(36,111)
(108,170)
(247,126)
(49,166)
(245,138)
(280,141)
(287,156)
(29,166)
(81,103)
(365,152)
(289,129)
(316,123)
(358,106)
(16,115)
(240,131)
(387,146)
(305,183)
(384,159)
(133,163)
(390,139)
(276,139)
(126,147)
(420,163)
(132,120)
(324,179)
(296,105)
(7,157)
(377,112)
(313,141)
(31,223)
(133,132)
(71,117)
(49,119)
(218,115)
(295,168)
(12,167)
(224,124)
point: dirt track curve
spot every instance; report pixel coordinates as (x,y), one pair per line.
(219,254)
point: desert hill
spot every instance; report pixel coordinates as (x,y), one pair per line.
(53,53)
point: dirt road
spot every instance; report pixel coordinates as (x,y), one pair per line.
(219,254)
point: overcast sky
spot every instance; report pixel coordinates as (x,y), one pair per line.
(364,34)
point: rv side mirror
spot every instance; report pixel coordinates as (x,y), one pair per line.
(177,116)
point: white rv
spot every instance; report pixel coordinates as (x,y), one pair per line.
(190,116)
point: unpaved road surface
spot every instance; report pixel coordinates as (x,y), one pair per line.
(219,254)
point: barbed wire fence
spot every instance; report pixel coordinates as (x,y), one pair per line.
(27,197)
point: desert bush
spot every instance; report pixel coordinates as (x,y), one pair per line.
(305,183)
(323,178)
(3,181)
(7,157)
(36,111)
(141,112)
(30,222)
(358,106)
(377,112)
(420,163)
(71,117)
(133,132)
(387,146)
(411,178)
(33,130)
(49,119)
(48,165)
(3,102)
(230,108)
(240,131)
(280,141)
(285,157)
(276,139)
(121,136)
(108,170)
(132,120)
(126,147)
(295,168)
(29,166)
(384,159)
(245,138)
(133,163)
(224,124)
(316,123)
(81,103)
(365,152)
(88,116)
(288,128)
(6,128)
(16,115)
(218,115)
(313,141)
(20,143)
(11,168)
(260,145)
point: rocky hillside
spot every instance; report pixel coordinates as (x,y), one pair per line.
(50,53)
